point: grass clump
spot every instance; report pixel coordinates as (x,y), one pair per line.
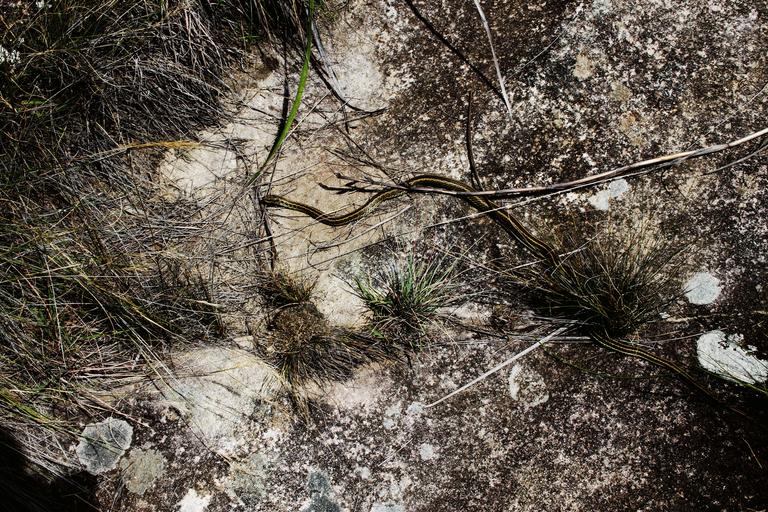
(82,317)
(406,295)
(300,345)
(94,288)
(87,78)
(281,287)
(305,350)
(619,281)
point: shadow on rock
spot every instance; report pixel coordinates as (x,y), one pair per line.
(25,491)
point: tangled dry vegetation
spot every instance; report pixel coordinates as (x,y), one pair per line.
(297,341)
(94,287)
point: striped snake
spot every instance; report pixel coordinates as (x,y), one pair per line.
(515,229)
(510,224)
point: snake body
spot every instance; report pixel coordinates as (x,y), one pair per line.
(432,181)
(515,229)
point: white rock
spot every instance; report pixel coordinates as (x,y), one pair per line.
(427,451)
(725,356)
(702,288)
(527,387)
(191,502)
(602,200)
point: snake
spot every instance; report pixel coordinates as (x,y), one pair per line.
(426,183)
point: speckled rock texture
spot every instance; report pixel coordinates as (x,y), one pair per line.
(593,85)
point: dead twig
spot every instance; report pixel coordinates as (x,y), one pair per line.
(662,162)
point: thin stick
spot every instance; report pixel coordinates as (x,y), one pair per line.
(762,146)
(495,61)
(669,160)
(502,365)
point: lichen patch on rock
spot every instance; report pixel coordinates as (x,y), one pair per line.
(141,469)
(102,444)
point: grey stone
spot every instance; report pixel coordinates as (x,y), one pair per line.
(319,486)
(102,445)
(141,469)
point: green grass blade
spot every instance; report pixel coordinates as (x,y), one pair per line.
(296,102)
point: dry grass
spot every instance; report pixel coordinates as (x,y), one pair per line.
(94,287)
(301,346)
(282,287)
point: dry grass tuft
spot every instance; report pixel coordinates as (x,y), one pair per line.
(305,350)
(282,287)
(300,345)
